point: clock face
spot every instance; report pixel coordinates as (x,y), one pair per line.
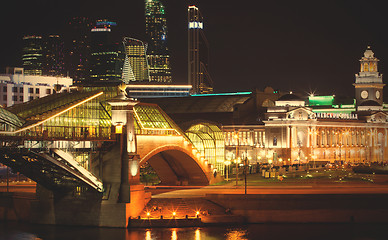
(377,94)
(364,94)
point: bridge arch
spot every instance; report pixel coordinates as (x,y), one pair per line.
(176,165)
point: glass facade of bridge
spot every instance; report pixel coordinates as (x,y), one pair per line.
(208,139)
(151,120)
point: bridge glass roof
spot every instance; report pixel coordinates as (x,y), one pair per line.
(150,118)
(209,140)
(9,120)
(80,114)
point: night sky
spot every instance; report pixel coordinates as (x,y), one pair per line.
(289,45)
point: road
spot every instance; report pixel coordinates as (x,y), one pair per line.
(29,187)
(285,189)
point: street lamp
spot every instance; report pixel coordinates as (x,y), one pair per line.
(227,163)
(236,142)
(245,171)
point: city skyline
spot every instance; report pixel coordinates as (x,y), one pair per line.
(289,46)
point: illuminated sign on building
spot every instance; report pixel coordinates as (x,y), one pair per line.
(106,23)
(195,25)
(101,30)
(337,115)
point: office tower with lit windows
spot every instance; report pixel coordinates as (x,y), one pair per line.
(135,67)
(32,55)
(156,36)
(53,56)
(107,56)
(78,49)
(198,54)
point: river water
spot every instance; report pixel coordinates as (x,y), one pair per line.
(20,231)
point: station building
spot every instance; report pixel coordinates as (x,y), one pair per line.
(285,128)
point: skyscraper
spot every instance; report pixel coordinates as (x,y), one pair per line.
(156,32)
(107,56)
(135,67)
(32,55)
(198,54)
(79,49)
(53,56)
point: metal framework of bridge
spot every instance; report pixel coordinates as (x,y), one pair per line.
(67,141)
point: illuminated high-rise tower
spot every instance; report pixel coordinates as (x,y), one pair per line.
(135,67)
(78,49)
(106,57)
(198,54)
(32,55)
(157,51)
(53,56)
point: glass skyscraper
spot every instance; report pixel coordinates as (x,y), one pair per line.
(107,56)
(32,55)
(198,54)
(156,33)
(135,67)
(53,54)
(78,52)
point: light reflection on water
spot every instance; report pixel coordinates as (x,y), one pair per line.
(18,231)
(237,234)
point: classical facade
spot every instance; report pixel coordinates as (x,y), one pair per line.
(320,129)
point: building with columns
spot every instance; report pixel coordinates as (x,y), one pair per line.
(286,128)
(319,129)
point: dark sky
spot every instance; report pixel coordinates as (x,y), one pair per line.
(290,45)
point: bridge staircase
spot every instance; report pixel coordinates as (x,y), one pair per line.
(55,170)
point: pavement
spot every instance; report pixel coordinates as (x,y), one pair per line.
(323,181)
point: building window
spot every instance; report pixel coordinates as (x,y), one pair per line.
(48,91)
(275,141)
(15,89)
(37,90)
(5,89)
(4,97)
(14,98)
(30,90)
(21,90)
(30,98)
(21,98)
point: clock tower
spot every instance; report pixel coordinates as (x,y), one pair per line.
(369,82)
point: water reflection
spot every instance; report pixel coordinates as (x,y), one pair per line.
(19,231)
(173,235)
(148,235)
(197,234)
(237,234)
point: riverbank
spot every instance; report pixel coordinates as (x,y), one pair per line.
(304,197)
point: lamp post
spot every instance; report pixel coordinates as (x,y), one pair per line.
(245,168)
(227,163)
(237,142)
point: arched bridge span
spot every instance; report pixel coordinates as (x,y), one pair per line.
(174,159)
